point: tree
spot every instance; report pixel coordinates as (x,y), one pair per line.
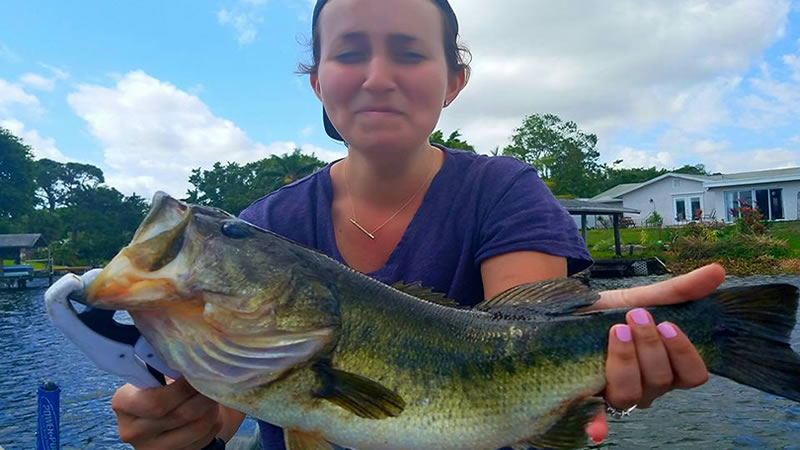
(688,169)
(453,141)
(560,151)
(17,186)
(233,187)
(290,167)
(100,221)
(56,181)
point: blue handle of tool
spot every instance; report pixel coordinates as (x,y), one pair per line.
(47,434)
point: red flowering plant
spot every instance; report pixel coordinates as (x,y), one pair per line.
(748,219)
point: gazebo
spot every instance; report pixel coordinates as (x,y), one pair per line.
(11,247)
(585,208)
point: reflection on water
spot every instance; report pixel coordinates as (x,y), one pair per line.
(719,415)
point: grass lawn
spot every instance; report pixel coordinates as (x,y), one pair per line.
(789,232)
(628,236)
(36,265)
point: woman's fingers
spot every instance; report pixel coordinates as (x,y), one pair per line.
(691,286)
(623,378)
(152,403)
(688,367)
(597,430)
(654,363)
(172,416)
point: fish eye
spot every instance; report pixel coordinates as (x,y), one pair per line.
(235,229)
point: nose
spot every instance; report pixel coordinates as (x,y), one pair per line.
(379,75)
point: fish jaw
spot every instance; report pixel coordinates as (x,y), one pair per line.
(121,285)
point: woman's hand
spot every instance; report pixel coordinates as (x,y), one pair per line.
(646,360)
(174,416)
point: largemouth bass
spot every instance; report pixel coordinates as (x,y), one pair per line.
(286,334)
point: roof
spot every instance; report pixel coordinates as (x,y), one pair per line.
(578,207)
(634,186)
(610,194)
(755,177)
(20,240)
(709,181)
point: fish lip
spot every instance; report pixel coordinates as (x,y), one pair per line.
(165,214)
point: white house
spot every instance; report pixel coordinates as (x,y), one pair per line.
(680,198)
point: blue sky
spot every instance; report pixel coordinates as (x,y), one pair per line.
(149,90)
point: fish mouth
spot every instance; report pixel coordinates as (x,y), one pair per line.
(146,273)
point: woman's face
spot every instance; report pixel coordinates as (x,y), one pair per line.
(383,75)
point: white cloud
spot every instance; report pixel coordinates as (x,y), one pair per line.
(244,18)
(153,134)
(642,158)
(37,81)
(42,82)
(756,159)
(608,65)
(42,147)
(306,131)
(710,147)
(13,94)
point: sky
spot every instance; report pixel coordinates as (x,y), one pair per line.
(150,90)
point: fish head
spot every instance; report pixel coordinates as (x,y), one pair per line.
(215,295)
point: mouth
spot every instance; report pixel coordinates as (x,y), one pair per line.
(379,110)
(145,273)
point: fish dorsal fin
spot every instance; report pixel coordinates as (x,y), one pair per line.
(418,290)
(298,440)
(569,431)
(553,297)
(359,395)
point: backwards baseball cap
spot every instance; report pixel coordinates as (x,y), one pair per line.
(444,5)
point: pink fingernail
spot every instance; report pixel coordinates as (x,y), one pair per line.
(640,316)
(623,333)
(667,330)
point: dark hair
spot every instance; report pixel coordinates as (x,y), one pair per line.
(458,56)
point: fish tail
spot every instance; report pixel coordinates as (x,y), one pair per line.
(753,333)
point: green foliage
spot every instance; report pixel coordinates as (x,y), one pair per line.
(16,176)
(654,220)
(453,141)
(233,187)
(56,181)
(749,220)
(99,221)
(559,151)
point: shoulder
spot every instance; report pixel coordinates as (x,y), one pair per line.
(290,201)
(490,178)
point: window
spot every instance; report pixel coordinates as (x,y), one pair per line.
(768,201)
(688,208)
(676,182)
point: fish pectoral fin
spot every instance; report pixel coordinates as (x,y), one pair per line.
(299,440)
(569,431)
(359,395)
(554,297)
(418,290)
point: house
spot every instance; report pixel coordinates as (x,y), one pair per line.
(680,198)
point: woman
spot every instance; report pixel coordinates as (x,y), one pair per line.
(398,208)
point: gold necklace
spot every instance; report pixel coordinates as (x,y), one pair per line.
(353,220)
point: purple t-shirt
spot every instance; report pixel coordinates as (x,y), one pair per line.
(476,207)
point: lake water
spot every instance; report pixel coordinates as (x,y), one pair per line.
(718,415)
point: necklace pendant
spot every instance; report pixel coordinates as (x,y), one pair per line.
(358,225)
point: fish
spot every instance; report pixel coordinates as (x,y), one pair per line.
(288,335)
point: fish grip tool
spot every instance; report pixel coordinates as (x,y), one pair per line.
(116,348)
